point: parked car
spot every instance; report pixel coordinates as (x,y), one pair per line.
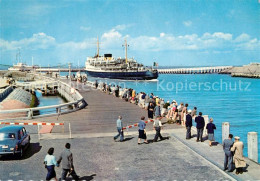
(14,140)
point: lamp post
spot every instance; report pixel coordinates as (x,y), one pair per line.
(69,70)
(59,71)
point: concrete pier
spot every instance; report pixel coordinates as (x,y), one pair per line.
(99,157)
(252,142)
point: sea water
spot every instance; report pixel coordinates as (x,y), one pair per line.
(222,97)
(48,101)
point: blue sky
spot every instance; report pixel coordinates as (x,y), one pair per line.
(171,32)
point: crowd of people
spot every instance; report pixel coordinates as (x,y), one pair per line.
(158,108)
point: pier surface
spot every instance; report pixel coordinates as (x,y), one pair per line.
(98,157)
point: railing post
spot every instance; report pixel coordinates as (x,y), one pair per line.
(252,142)
(225,130)
(70,131)
(30,113)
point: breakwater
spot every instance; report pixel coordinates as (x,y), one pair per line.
(196,70)
(249,71)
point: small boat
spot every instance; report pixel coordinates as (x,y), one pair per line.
(23,67)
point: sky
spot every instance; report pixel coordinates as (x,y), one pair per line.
(170,32)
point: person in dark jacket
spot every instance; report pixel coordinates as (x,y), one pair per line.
(150,110)
(188,124)
(200,126)
(227,144)
(210,127)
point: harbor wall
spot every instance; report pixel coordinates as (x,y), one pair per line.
(4,93)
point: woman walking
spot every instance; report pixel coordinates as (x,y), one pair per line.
(142,132)
(50,163)
(210,127)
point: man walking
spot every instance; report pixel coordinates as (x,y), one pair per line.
(119,126)
(157,125)
(157,110)
(239,159)
(200,126)
(188,125)
(227,144)
(67,163)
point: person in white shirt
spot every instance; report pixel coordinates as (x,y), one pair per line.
(157,125)
(50,163)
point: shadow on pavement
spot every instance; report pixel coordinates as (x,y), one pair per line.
(164,138)
(214,143)
(128,139)
(29,152)
(85,178)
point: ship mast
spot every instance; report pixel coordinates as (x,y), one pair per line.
(97,47)
(126,45)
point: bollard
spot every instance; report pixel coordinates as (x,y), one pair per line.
(225,130)
(252,142)
(206,119)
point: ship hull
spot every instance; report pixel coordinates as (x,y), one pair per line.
(144,75)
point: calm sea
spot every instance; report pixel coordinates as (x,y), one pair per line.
(222,97)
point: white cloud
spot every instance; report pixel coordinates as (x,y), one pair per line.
(220,35)
(217,35)
(187,23)
(162,34)
(243,37)
(37,41)
(123,27)
(112,34)
(113,39)
(83,28)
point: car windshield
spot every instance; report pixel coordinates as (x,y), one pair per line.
(7,136)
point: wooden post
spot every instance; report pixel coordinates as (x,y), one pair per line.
(252,142)
(225,130)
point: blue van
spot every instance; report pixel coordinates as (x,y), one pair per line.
(14,140)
